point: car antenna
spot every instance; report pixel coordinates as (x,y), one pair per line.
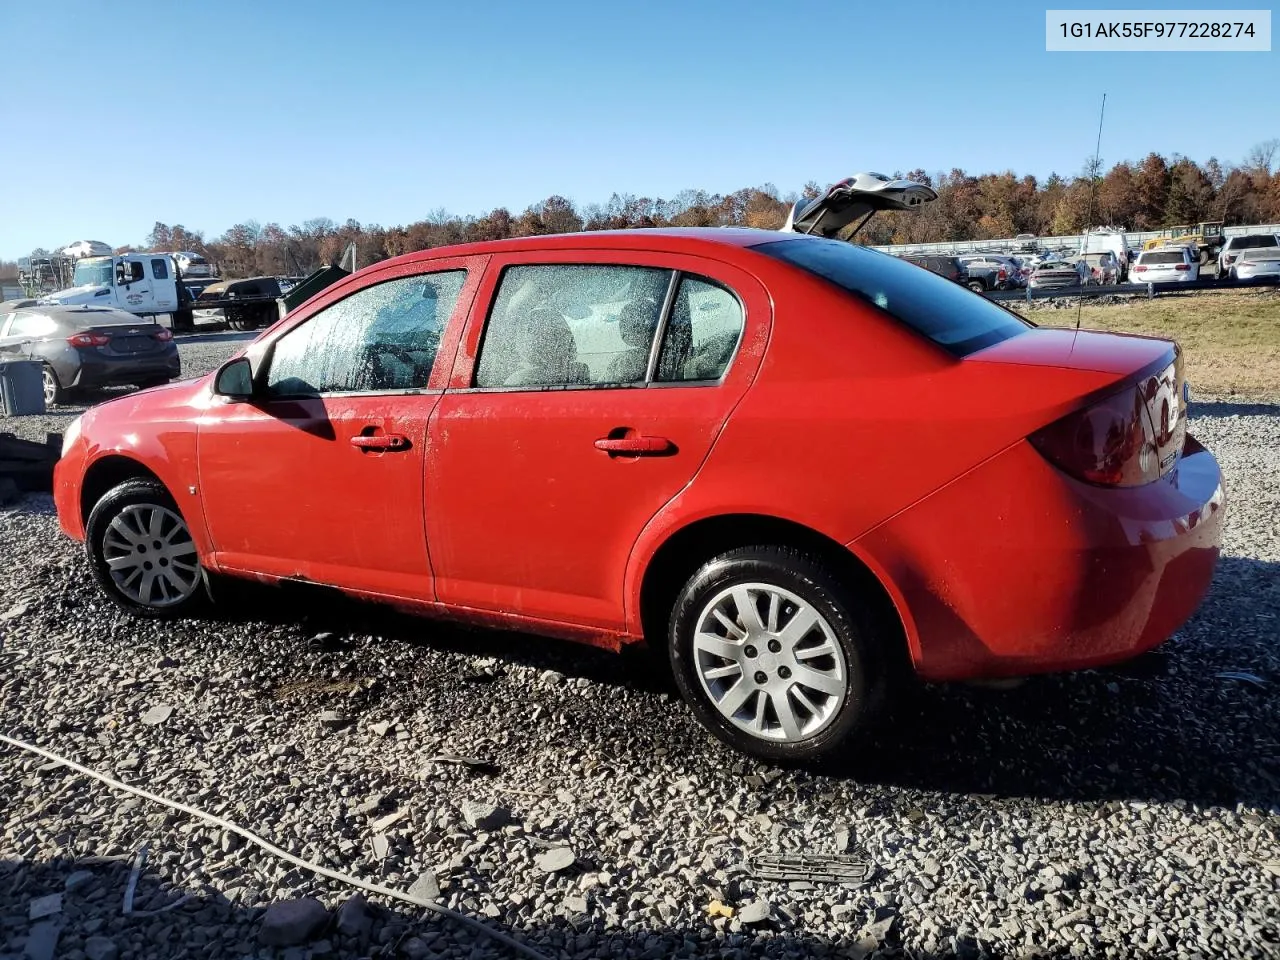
(1093,193)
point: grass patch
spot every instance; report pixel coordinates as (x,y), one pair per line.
(1230,339)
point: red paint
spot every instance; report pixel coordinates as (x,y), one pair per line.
(542,509)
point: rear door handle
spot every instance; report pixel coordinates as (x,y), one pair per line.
(388,442)
(636,446)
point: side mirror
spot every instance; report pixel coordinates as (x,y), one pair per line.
(235,380)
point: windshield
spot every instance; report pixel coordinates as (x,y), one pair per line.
(945,312)
(93,272)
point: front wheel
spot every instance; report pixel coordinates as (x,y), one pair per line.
(977,286)
(141,551)
(772,654)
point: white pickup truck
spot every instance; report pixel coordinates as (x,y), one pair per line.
(150,284)
(141,283)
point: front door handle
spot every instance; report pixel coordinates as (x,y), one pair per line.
(385,442)
(636,446)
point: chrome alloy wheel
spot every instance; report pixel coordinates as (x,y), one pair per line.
(770,662)
(49,382)
(150,554)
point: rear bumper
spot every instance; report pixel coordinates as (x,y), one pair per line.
(95,371)
(1016,568)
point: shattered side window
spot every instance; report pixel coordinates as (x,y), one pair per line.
(572,325)
(383,337)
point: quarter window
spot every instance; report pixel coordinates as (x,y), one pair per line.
(572,325)
(381,338)
(702,334)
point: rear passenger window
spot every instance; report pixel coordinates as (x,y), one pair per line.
(702,333)
(383,337)
(572,325)
(159,269)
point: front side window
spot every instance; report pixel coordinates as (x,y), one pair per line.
(944,312)
(572,325)
(381,338)
(159,269)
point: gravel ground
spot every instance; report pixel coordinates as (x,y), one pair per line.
(1100,814)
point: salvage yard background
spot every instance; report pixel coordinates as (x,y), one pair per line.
(1099,814)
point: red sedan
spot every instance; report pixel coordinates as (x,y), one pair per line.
(786,460)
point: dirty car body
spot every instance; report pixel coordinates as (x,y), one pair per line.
(788,461)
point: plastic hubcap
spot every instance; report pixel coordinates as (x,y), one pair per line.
(770,662)
(150,555)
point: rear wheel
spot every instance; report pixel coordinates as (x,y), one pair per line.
(773,655)
(977,286)
(53,391)
(142,553)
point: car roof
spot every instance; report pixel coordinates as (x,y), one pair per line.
(673,239)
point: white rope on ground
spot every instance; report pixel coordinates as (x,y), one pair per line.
(272,849)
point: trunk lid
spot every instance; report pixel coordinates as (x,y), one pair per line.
(130,340)
(1149,367)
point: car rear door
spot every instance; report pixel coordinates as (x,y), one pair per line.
(321,476)
(564,430)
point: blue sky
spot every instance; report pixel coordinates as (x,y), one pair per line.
(210,114)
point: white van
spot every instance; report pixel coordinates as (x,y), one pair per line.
(1109,240)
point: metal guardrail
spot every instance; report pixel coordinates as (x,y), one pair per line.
(1127,289)
(1135,240)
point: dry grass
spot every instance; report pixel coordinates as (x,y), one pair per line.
(1231,339)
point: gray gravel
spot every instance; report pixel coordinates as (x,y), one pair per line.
(566,795)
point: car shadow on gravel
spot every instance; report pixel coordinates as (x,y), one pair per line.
(73,906)
(1164,727)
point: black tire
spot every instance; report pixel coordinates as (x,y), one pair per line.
(184,321)
(115,503)
(807,578)
(54,392)
(977,286)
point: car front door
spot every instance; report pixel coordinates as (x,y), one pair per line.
(564,430)
(133,287)
(321,475)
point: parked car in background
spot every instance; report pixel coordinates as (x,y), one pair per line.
(1055,274)
(950,267)
(459,431)
(1104,268)
(85,347)
(985,272)
(1258,263)
(1017,273)
(1235,246)
(1167,265)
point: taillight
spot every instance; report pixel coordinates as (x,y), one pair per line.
(1002,274)
(1182,266)
(1139,268)
(1110,443)
(163,334)
(89,340)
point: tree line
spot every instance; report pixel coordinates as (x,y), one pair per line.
(1152,193)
